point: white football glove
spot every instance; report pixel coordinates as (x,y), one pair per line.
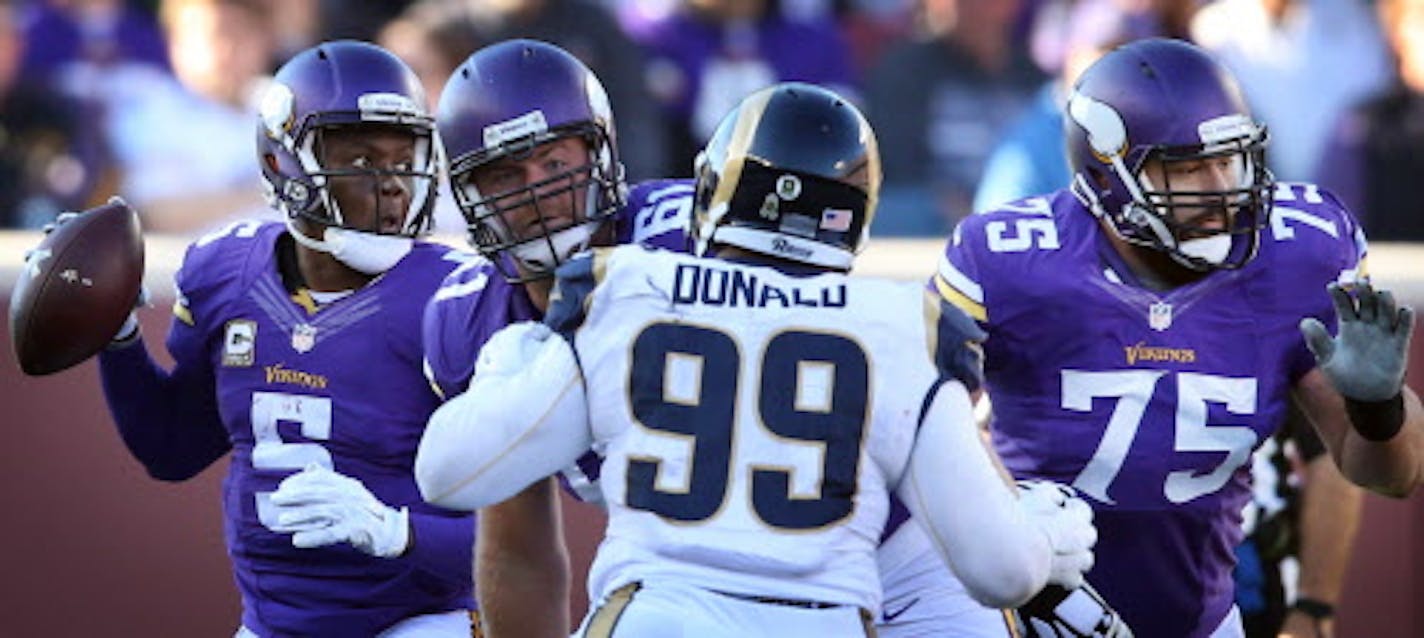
(1058,613)
(1067,521)
(511,349)
(322,507)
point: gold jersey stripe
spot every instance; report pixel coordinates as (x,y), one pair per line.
(952,295)
(604,620)
(182,313)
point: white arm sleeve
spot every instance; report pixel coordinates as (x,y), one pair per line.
(523,418)
(954,490)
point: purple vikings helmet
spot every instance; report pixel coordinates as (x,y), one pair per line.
(792,172)
(1168,100)
(506,99)
(337,84)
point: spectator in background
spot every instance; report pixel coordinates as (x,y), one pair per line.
(709,54)
(940,103)
(1374,154)
(49,160)
(1301,63)
(184,141)
(434,38)
(355,19)
(1067,36)
(69,36)
(590,32)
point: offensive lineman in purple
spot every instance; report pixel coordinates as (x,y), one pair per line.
(319,395)
(475,301)
(1147,388)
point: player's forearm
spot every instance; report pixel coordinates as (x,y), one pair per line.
(169,422)
(443,546)
(1329,518)
(1393,467)
(953,487)
(522,569)
(500,436)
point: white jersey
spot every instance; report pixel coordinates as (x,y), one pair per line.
(752,422)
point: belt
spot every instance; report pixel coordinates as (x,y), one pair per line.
(785,602)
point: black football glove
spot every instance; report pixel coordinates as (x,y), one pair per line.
(1056,612)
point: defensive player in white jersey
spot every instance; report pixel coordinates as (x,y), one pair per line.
(756,410)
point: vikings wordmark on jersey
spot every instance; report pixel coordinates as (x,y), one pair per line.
(1149,404)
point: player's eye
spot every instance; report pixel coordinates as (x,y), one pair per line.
(361,161)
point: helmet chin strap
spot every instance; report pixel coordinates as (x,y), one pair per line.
(1212,250)
(366,253)
(545,254)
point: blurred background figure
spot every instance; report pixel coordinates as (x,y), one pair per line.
(939,104)
(1066,37)
(1375,158)
(592,33)
(50,158)
(74,36)
(707,55)
(184,141)
(1301,64)
(434,38)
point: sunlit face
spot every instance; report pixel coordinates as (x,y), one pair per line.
(217,49)
(372,202)
(1200,188)
(540,164)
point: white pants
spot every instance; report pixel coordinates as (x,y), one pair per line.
(1230,626)
(923,598)
(678,610)
(451,624)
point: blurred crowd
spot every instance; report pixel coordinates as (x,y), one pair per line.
(153,99)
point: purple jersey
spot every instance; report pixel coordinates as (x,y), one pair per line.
(1149,403)
(296,384)
(474,302)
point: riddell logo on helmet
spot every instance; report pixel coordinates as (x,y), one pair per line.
(787,247)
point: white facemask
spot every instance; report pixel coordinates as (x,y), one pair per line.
(367,253)
(542,255)
(1212,250)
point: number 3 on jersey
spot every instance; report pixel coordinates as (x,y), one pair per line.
(814,388)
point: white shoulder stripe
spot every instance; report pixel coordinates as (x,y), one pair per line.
(464,289)
(959,280)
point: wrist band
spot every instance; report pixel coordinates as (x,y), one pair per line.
(1377,420)
(1314,608)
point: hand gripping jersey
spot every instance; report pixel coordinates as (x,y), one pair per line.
(339,386)
(475,301)
(753,422)
(1149,404)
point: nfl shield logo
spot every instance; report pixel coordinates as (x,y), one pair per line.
(303,338)
(1159,316)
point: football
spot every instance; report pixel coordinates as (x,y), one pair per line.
(77,288)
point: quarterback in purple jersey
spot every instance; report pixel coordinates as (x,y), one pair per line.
(1145,330)
(296,348)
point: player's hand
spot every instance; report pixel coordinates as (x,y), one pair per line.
(1366,360)
(1056,612)
(322,507)
(129,331)
(1068,522)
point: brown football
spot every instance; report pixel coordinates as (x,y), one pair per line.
(77,288)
